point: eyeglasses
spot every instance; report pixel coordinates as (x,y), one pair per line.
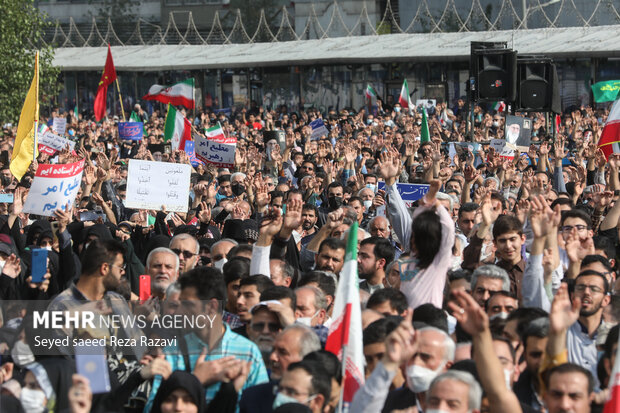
(186,254)
(594,288)
(569,228)
(273,327)
(120,267)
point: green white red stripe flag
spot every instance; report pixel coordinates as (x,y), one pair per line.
(179,94)
(405,99)
(371,93)
(610,137)
(177,129)
(345,333)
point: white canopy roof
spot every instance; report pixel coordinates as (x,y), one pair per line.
(599,41)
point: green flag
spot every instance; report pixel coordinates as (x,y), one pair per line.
(425,136)
(606,91)
(135,118)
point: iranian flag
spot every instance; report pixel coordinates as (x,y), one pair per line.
(177,129)
(179,94)
(215,133)
(371,93)
(613,403)
(345,332)
(499,106)
(610,138)
(404,99)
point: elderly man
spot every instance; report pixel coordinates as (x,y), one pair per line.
(219,250)
(187,248)
(454,391)
(421,354)
(291,345)
(162,265)
(264,328)
(311,310)
(487,280)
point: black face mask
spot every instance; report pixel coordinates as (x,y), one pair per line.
(334,202)
(237,189)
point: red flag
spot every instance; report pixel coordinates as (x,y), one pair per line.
(558,122)
(610,137)
(108,76)
(613,402)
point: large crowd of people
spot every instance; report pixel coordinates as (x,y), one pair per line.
(495,291)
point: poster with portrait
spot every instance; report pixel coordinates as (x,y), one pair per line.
(518,131)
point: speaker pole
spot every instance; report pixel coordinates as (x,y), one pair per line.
(472,88)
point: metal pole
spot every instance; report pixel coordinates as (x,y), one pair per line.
(120,98)
(524,5)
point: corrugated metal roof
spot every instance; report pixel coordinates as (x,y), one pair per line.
(600,41)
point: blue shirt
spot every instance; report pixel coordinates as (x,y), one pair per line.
(231,344)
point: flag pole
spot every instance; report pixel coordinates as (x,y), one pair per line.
(120,98)
(36,112)
(344,373)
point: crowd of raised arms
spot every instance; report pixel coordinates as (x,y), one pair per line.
(494,292)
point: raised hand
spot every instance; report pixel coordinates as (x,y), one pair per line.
(489,216)
(563,313)
(542,218)
(12,266)
(292,217)
(389,166)
(80,395)
(470,174)
(212,371)
(271,224)
(64,218)
(430,199)
(18,200)
(468,313)
(576,249)
(156,366)
(400,345)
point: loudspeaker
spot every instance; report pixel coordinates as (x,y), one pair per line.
(537,86)
(495,72)
(437,91)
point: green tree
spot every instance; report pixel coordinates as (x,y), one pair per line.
(22,27)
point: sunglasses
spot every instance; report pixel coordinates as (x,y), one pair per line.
(273,327)
(186,254)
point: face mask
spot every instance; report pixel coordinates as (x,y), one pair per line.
(495,123)
(419,378)
(282,399)
(32,400)
(307,321)
(373,187)
(334,202)
(367,204)
(397,110)
(237,189)
(49,248)
(418,123)
(22,354)
(219,264)
(2,262)
(508,378)
(501,316)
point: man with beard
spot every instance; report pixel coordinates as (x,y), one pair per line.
(374,255)
(162,265)
(512,133)
(264,327)
(574,323)
(309,218)
(187,249)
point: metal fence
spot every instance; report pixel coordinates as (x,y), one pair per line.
(431,16)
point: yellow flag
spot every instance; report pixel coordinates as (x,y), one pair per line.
(24,149)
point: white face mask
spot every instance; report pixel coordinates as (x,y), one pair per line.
(219,264)
(419,378)
(307,321)
(501,316)
(367,204)
(22,354)
(2,262)
(48,247)
(32,400)
(508,378)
